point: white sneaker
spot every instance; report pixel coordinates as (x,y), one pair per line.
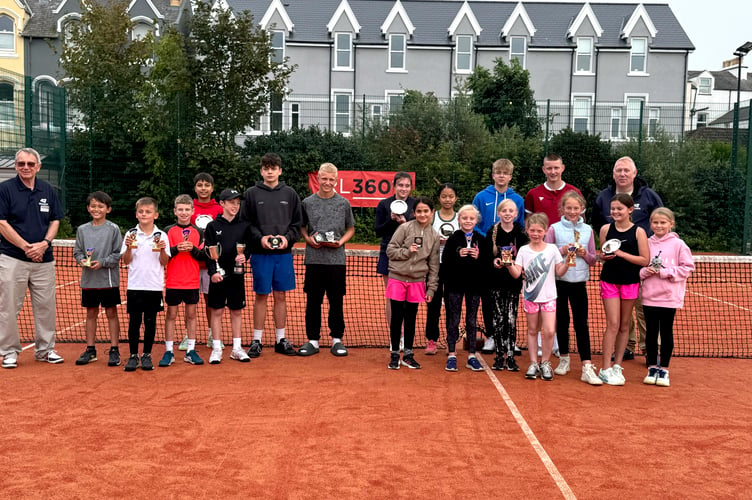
(489,346)
(589,376)
(607,376)
(662,379)
(216,356)
(619,375)
(239,355)
(184,344)
(10,360)
(49,357)
(563,367)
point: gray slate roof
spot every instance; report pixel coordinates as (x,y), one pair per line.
(433,17)
(723,80)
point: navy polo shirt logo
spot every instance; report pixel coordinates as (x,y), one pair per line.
(43,205)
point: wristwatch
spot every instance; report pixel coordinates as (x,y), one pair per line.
(49,242)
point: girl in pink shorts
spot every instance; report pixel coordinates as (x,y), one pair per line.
(620,283)
(541,263)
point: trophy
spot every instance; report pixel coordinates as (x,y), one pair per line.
(275,242)
(214,252)
(157,237)
(238,269)
(506,256)
(327,238)
(656,263)
(572,250)
(419,241)
(89,253)
(186,234)
(132,234)
(469,239)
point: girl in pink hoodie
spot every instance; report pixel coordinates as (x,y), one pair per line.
(664,282)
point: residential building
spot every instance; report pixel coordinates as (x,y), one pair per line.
(713,94)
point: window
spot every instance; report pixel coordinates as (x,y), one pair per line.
(584,55)
(140,30)
(7,35)
(638,56)
(702,120)
(704,87)
(49,108)
(397,52)
(275,113)
(517,49)
(654,115)
(342,112)
(376,113)
(278,47)
(464,51)
(343,50)
(71,23)
(395,102)
(6,103)
(581,115)
(634,112)
(615,123)
(295,115)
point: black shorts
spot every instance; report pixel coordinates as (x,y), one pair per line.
(230,293)
(105,297)
(144,301)
(176,296)
(325,278)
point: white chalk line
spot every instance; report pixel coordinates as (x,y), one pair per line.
(731,304)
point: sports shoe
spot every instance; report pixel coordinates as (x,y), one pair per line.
(547,373)
(652,375)
(430,348)
(240,355)
(255,350)
(216,356)
(516,350)
(512,364)
(10,360)
(498,364)
(474,365)
(183,344)
(193,358)
(628,355)
(284,347)
(88,356)
(608,376)
(394,361)
(132,363)
(210,342)
(167,359)
(451,364)
(662,380)
(409,361)
(532,371)
(488,346)
(618,372)
(563,367)
(146,362)
(114,357)
(308,349)
(50,357)
(589,376)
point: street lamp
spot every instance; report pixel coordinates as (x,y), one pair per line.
(740,52)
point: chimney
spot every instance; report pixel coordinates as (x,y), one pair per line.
(175,3)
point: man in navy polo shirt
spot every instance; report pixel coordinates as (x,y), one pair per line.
(30,215)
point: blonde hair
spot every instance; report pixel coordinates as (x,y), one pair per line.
(328,167)
(571,195)
(502,165)
(503,203)
(664,212)
(540,218)
(147,200)
(496,226)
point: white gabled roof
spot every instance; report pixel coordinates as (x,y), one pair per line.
(637,14)
(343,9)
(586,12)
(518,12)
(465,11)
(276,6)
(397,10)
(158,14)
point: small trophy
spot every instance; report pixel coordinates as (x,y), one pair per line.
(238,269)
(214,252)
(89,253)
(506,256)
(469,239)
(157,237)
(419,241)
(656,263)
(132,234)
(327,238)
(572,250)
(186,234)
(275,242)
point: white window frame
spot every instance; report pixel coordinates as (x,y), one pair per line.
(340,49)
(634,114)
(377,112)
(393,106)
(10,105)
(294,115)
(578,115)
(137,36)
(654,118)
(616,115)
(276,113)
(705,85)
(393,51)
(468,54)
(518,55)
(702,119)
(633,54)
(278,51)
(339,93)
(581,53)
(9,51)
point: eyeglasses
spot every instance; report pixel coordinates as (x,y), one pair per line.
(30,164)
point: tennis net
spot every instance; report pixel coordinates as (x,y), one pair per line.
(716,320)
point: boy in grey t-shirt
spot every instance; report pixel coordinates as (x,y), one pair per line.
(327,225)
(97,251)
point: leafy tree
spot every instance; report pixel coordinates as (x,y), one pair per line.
(505,98)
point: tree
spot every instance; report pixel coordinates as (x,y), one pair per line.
(505,98)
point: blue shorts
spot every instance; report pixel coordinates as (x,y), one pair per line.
(272,272)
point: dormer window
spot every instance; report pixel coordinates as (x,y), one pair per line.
(464,51)
(517,49)
(638,56)
(705,86)
(278,47)
(140,31)
(343,50)
(397,49)
(584,55)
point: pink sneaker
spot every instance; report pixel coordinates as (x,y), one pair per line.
(431,348)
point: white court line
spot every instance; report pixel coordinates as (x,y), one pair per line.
(561,483)
(721,301)
(24,348)
(101,312)
(66,284)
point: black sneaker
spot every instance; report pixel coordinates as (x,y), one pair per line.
(498,364)
(628,355)
(132,363)
(255,350)
(409,361)
(146,363)
(394,361)
(89,356)
(512,364)
(114,357)
(517,351)
(284,347)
